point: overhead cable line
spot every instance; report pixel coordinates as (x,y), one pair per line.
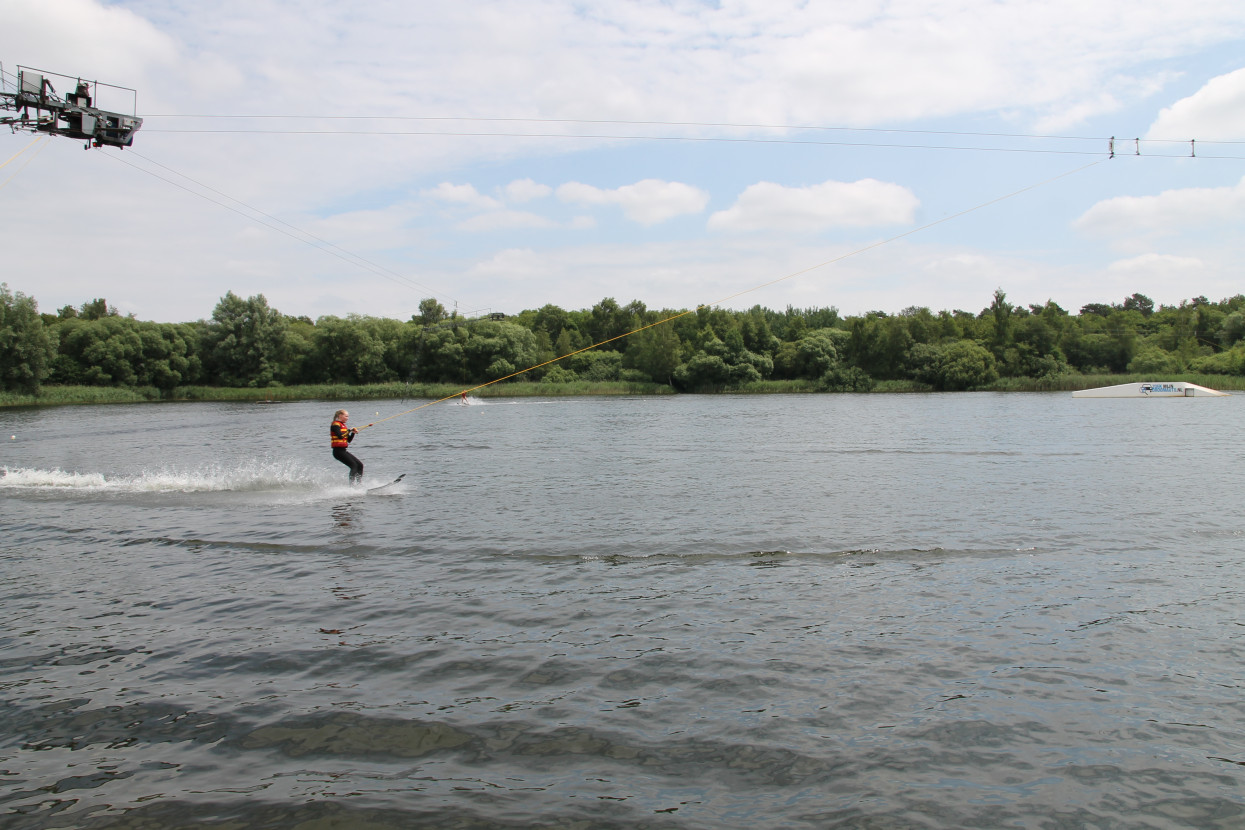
(710,139)
(1103,141)
(293,231)
(651,123)
(621,137)
(627,122)
(757,287)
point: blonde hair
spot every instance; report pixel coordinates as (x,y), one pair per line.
(339,413)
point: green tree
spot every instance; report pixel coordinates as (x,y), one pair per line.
(431,312)
(656,352)
(169,355)
(596,364)
(845,379)
(608,321)
(1233,329)
(962,364)
(1141,303)
(702,373)
(1035,351)
(746,365)
(795,324)
(245,341)
(878,344)
(1231,362)
(100,351)
(757,334)
(1209,322)
(1001,313)
(299,338)
(25,347)
(552,319)
(440,356)
(1097,309)
(351,350)
(97,309)
(922,325)
(812,356)
(863,348)
(544,353)
(496,349)
(1151,360)
(559,374)
(565,344)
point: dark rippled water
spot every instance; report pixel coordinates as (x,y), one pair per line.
(933,611)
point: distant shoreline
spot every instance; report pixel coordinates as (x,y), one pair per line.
(78,395)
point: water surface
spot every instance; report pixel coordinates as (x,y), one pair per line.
(925,611)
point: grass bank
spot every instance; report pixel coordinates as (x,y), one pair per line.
(429,391)
(64,395)
(56,395)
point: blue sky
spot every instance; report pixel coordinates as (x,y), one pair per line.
(480,205)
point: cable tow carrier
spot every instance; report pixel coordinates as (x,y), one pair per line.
(36,107)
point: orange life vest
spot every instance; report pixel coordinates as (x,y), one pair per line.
(339,436)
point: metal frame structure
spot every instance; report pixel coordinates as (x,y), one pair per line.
(37,108)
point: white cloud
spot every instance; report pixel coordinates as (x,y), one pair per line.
(452,80)
(463,194)
(505,220)
(819,207)
(108,43)
(373,229)
(1168,279)
(748,269)
(1150,266)
(1216,112)
(526,190)
(648,202)
(1168,212)
(584,194)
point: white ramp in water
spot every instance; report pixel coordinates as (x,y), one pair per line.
(1172,389)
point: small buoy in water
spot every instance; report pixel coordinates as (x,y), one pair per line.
(12,437)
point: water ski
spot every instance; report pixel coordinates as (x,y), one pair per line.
(386,486)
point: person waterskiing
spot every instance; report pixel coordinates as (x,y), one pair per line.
(339,438)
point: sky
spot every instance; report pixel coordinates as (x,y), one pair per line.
(500,155)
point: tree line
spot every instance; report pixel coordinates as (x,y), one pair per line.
(248,343)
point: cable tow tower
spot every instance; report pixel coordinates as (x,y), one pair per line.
(36,108)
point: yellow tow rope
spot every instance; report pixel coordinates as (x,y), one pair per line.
(44,138)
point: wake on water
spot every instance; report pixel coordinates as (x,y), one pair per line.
(256,476)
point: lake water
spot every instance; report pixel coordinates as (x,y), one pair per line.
(820,611)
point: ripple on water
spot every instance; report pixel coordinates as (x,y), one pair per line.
(844,611)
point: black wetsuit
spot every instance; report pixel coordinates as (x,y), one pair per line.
(340,438)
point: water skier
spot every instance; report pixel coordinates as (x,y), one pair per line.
(339,438)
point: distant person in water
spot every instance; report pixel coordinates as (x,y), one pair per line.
(339,438)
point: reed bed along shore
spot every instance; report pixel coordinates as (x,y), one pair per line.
(59,395)
(67,395)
